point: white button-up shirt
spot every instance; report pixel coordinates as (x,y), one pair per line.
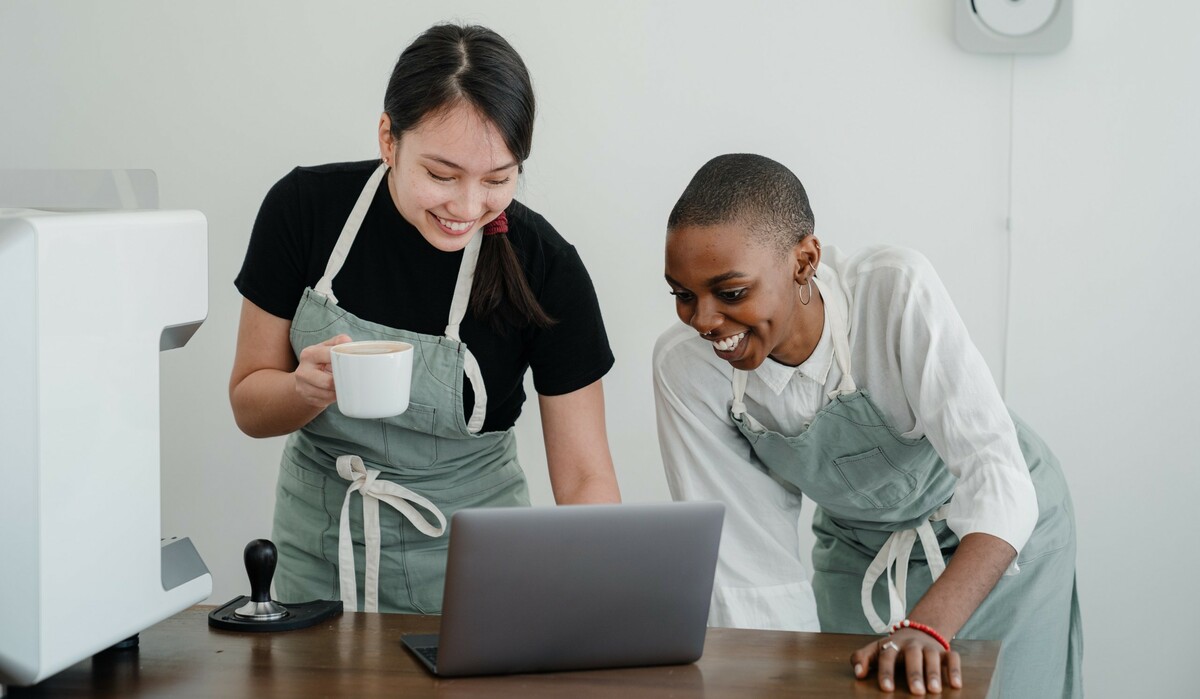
(910,350)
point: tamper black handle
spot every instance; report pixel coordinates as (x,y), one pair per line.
(260,557)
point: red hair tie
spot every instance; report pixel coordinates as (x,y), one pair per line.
(498,226)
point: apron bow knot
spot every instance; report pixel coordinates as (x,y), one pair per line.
(895,554)
(366,481)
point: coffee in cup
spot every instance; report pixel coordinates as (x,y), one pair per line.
(372,378)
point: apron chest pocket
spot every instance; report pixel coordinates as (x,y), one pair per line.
(873,476)
(409,440)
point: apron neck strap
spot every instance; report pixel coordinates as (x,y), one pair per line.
(839,328)
(462,287)
(739,391)
(337,258)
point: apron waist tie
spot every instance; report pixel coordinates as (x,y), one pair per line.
(373,490)
(896,552)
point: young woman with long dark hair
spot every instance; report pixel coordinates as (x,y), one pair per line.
(426,245)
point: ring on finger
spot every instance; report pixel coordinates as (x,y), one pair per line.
(890,645)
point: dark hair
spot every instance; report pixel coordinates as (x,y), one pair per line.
(754,191)
(450,65)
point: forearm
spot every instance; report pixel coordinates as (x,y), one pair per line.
(973,571)
(266,404)
(596,485)
(581,468)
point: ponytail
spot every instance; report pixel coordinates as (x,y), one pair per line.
(501,294)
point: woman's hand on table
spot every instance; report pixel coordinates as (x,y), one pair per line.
(926,664)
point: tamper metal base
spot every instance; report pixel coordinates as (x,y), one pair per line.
(299,616)
(261,611)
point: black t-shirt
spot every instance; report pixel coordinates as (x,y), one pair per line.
(392,276)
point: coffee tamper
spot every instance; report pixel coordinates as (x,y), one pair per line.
(259,612)
(260,557)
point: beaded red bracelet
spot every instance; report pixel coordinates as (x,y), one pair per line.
(906,624)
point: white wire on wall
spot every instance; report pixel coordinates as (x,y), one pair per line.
(1008,232)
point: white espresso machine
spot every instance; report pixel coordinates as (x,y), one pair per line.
(90,299)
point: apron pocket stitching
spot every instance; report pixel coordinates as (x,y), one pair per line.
(460,490)
(853,421)
(314,498)
(434,375)
(906,441)
(425,432)
(1050,527)
(495,487)
(302,474)
(876,454)
(370,327)
(409,578)
(337,315)
(1043,554)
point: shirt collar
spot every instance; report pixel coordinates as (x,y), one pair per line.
(816,368)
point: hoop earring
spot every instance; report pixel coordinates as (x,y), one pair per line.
(808,285)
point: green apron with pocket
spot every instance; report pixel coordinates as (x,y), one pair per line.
(335,540)
(880,499)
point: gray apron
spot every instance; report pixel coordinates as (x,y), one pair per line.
(879,495)
(333,544)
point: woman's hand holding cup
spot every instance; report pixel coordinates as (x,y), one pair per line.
(314,375)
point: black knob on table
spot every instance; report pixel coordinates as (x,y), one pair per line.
(260,557)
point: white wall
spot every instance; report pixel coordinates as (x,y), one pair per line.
(1105,324)
(899,136)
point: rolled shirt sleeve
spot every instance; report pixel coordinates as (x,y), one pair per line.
(942,391)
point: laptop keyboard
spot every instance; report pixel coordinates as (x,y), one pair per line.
(429,653)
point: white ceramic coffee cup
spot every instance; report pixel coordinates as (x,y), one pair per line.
(372,378)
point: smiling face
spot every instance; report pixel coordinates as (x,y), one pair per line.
(451,174)
(742,295)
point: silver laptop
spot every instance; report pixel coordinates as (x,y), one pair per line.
(574,588)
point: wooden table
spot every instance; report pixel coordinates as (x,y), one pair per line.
(359,655)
